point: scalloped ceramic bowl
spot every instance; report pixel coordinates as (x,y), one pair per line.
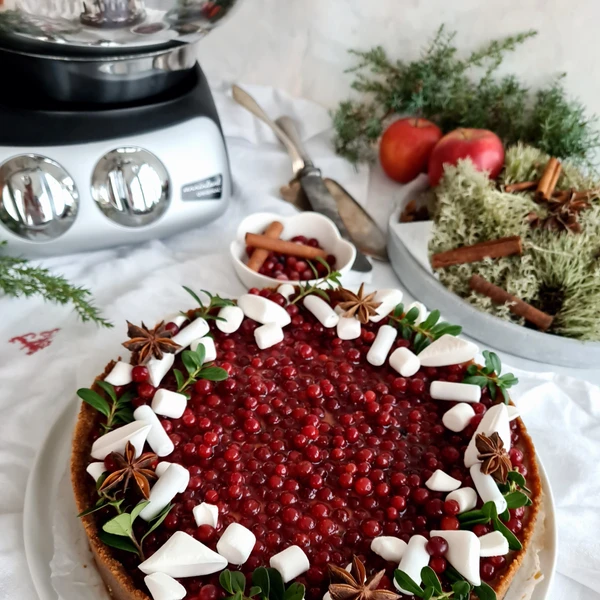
(310,224)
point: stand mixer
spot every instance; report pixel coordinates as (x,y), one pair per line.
(108,131)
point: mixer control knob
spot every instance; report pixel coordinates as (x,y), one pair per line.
(131,186)
(38,198)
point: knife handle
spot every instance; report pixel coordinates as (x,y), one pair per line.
(288,126)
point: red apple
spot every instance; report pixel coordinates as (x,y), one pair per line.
(483,147)
(405,148)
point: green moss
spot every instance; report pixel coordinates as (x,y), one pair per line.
(558,272)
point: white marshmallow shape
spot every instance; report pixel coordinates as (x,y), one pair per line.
(160,470)
(495,420)
(206,514)
(321,310)
(458,392)
(381,346)
(466,498)
(168,403)
(176,318)
(463,553)
(262,310)
(158,438)
(513,412)
(210,352)
(448,350)
(95,469)
(290,563)
(388,299)
(232,319)
(458,417)
(442,482)
(414,559)
(116,440)
(164,587)
(120,374)
(423,312)
(158,368)
(389,548)
(405,362)
(163,491)
(183,556)
(348,329)
(268,335)
(286,290)
(236,544)
(196,329)
(487,488)
(493,544)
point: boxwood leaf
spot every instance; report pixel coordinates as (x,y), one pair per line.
(95,400)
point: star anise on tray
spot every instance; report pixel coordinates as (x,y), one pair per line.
(358,305)
(130,468)
(355,585)
(495,460)
(150,342)
(563,213)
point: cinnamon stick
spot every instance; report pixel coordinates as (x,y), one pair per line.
(516,306)
(468,254)
(283,247)
(522,186)
(259,255)
(549,179)
(564,195)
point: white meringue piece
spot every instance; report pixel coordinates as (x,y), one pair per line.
(458,417)
(192,331)
(95,469)
(466,498)
(495,420)
(168,403)
(183,556)
(158,368)
(210,352)
(164,587)
(381,346)
(176,318)
(423,312)
(487,488)
(442,482)
(513,412)
(161,467)
(458,392)
(405,362)
(236,544)
(263,310)
(414,559)
(389,547)
(268,335)
(493,544)
(206,514)
(388,299)
(286,290)
(348,329)
(232,319)
(120,374)
(164,490)
(116,440)
(321,311)
(327,596)
(290,563)
(448,350)
(462,553)
(157,439)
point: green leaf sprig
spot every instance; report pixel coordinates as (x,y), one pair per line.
(118,411)
(489,376)
(205,310)
(424,333)
(515,491)
(193,361)
(432,587)
(267,584)
(329,281)
(488,514)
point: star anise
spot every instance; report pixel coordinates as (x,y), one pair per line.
(150,342)
(563,213)
(355,585)
(129,467)
(358,305)
(495,460)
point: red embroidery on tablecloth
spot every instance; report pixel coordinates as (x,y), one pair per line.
(33,342)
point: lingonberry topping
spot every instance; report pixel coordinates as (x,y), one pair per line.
(437,546)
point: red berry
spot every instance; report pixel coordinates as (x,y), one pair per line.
(438,564)
(451,508)
(449,523)
(140,373)
(145,390)
(437,546)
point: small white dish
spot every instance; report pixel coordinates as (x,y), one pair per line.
(309,224)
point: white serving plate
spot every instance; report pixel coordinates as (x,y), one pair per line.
(49,468)
(490,330)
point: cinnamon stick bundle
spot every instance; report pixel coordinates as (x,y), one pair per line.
(548,181)
(259,255)
(516,306)
(468,254)
(283,247)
